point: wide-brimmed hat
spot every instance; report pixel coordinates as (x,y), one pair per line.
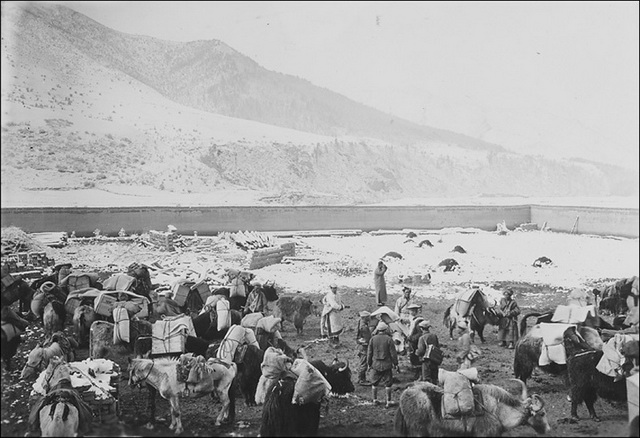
(414,307)
(508,292)
(333,286)
(424,324)
(364,314)
(405,288)
(381,327)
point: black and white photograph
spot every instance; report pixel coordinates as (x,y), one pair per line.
(319,218)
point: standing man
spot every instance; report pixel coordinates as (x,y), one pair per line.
(331,319)
(381,359)
(363,336)
(430,365)
(508,325)
(380,283)
(402,306)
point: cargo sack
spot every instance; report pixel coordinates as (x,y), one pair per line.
(434,354)
(274,363)
(269,323)
(119,282)
(264,383)
(251,320)
(457,400)
(235,336)
(224,314)
(311,386)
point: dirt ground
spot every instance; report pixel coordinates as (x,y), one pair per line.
(354,415)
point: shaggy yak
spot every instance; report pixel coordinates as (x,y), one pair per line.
(295,309)
(529,347)
(420,412)
(587,383)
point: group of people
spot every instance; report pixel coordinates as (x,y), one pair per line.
(376,350)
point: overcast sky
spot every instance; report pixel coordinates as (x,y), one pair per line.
(575,60)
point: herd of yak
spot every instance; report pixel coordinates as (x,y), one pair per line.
(419,412)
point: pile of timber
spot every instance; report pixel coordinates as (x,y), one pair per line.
(252,240)
(53,239)
(317,233)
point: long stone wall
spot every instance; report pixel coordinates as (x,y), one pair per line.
(212,220)
(621,222)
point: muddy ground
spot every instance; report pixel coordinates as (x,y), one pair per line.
(351,416)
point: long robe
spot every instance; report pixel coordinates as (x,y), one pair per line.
(331,319)
(380,283)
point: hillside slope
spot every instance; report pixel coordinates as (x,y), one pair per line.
(85,106)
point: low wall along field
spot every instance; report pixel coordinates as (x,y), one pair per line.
(212,220)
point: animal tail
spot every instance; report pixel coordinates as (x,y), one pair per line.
(399,424)
(446,317)
(523,323)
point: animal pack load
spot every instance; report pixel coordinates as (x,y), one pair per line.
(574,314)
(311,386)
(80,280)
(190,294)
(236,336)
(274,364)
(552,342)
(457,400)
(96,380)
(632,395)
(119,282)
(169,335)
(468,298)
(106,301)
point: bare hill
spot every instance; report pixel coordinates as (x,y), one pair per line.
(86,106)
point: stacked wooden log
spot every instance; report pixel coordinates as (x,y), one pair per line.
(252,240)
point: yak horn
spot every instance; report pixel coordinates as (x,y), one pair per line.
(524,388)
(344,367)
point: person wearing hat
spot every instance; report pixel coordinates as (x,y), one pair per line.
(166,305)
(402,306)
(363,336)
(430,365)
(380,283)
(467,352)
(256,300)
(381,359)
(331,319)
(508,324)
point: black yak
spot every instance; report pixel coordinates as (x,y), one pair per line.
(420,412)
(529,348)
(282,418)
(338,374)
(586,382)
(425,242)
(449,265)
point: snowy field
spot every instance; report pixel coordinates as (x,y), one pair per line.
(579,261)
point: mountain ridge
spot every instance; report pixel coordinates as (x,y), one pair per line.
(123,127)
